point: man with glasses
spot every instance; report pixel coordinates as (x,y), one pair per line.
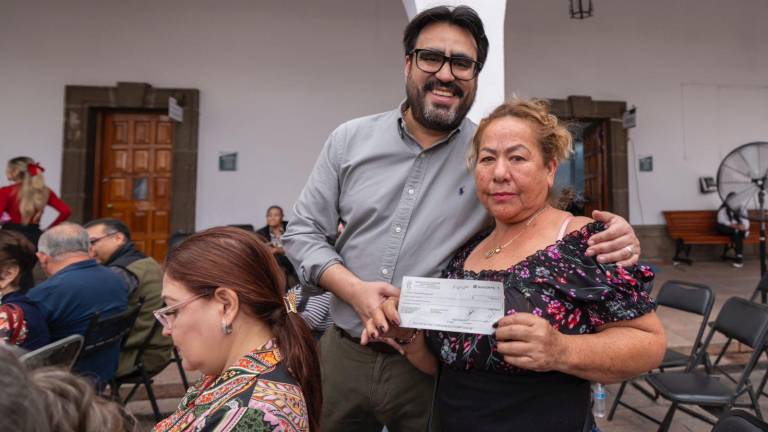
(399,180)
(103,245)
(111,246)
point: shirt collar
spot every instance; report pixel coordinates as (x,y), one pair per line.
(90,262)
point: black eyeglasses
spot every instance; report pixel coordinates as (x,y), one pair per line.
(430,61)
(95,240)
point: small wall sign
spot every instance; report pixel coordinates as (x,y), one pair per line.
(646,163)
(629,118)
(707,184)
(175,112)
(227,161)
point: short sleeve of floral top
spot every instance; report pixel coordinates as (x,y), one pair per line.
(560,284)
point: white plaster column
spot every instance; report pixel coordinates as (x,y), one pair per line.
(490,92)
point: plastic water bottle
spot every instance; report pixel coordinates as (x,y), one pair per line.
(598,400)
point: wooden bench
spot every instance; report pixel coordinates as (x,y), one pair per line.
(690,227)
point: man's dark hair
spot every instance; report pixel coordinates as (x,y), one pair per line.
(460,16)
(112,226)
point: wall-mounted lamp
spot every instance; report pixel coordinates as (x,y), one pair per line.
(581,9)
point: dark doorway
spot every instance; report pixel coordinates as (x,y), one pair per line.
(598,171)
(584,175)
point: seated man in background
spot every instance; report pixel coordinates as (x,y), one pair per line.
(77,288)
(111,246)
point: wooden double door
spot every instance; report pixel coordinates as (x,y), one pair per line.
(133,175)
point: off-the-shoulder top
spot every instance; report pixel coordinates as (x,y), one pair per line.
(559,283)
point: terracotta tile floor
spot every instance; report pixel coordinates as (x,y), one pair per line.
(681,328)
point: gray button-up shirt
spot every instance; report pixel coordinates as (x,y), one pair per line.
(406,209)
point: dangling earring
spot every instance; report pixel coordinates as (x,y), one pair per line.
(226,328)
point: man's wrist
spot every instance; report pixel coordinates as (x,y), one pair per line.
(336,278)
(354,295)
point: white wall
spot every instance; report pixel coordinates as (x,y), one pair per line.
(275,77)
(649,53)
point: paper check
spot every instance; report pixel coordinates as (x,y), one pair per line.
(457,305)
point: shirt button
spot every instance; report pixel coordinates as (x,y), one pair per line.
(398,229)
(384,271)
(411,191)
(421,156)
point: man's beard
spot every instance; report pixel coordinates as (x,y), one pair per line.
(438,117)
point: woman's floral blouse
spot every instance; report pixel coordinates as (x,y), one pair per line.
(257,394)
(560,284)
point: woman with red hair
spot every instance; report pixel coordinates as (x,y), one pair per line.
(230,318)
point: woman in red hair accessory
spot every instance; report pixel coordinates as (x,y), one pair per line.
(33,169)
(24,201)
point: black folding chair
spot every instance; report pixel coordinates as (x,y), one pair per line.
(760,291)
(740,421)
(176,358)
(684,296)
(104,333)
(62,353)
(139,375)
(739,319)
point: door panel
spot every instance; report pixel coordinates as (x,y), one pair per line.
(140,160)
(136,168)
(119,189)
(163,160)
(143,131)
(120,134)
(119,161)
(162,188)
(164,133)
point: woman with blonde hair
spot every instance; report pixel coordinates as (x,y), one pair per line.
(24,201)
